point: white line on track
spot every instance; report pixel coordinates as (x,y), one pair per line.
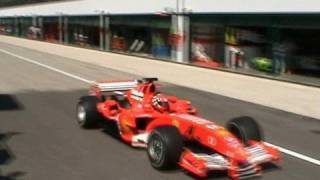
(297,155)
(284,150)
(47,67)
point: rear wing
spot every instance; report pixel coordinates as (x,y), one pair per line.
(115,86)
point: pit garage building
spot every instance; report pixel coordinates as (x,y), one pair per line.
(273,39)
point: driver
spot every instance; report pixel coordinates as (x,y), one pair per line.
(160,103)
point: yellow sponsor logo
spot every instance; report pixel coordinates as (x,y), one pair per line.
(175,123)
(223,132)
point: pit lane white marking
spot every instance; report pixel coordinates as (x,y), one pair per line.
(295,154)
(47,67)
(286,151)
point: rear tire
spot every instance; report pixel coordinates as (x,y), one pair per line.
(165,145)
(245,128)
(87,114)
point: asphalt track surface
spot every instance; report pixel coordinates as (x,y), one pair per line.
(43,141)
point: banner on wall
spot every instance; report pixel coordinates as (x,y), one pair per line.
(207,45)
(236,36)
(231,36)
(176,39)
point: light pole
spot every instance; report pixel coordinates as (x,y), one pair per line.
(180,32)
(60,26)
(107,32)
(180,6)
(34,19)
(177,6)
(101,28)
(16,24)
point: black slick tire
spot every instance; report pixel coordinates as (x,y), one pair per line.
(87,114)
(245,128)
(165,145)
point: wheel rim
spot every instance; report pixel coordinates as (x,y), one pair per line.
(156,150)
(81,114)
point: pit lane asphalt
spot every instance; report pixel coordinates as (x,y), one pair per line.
(38,109)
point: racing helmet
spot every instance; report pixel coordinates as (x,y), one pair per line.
(160,103)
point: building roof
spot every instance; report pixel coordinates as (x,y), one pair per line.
(10,3)
(88,7)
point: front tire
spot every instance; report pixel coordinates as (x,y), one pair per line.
(245,129)
(165,145)
(87,114)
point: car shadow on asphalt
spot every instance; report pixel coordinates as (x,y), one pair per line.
(7,156)
(9,102)
(315,131)
(269,167)
(223,175)
(110,129)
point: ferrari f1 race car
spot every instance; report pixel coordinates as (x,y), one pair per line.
(172,131)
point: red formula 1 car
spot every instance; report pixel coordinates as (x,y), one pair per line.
(172,131)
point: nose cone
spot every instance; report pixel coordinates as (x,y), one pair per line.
(236,152)
(231,147)
(240,155)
